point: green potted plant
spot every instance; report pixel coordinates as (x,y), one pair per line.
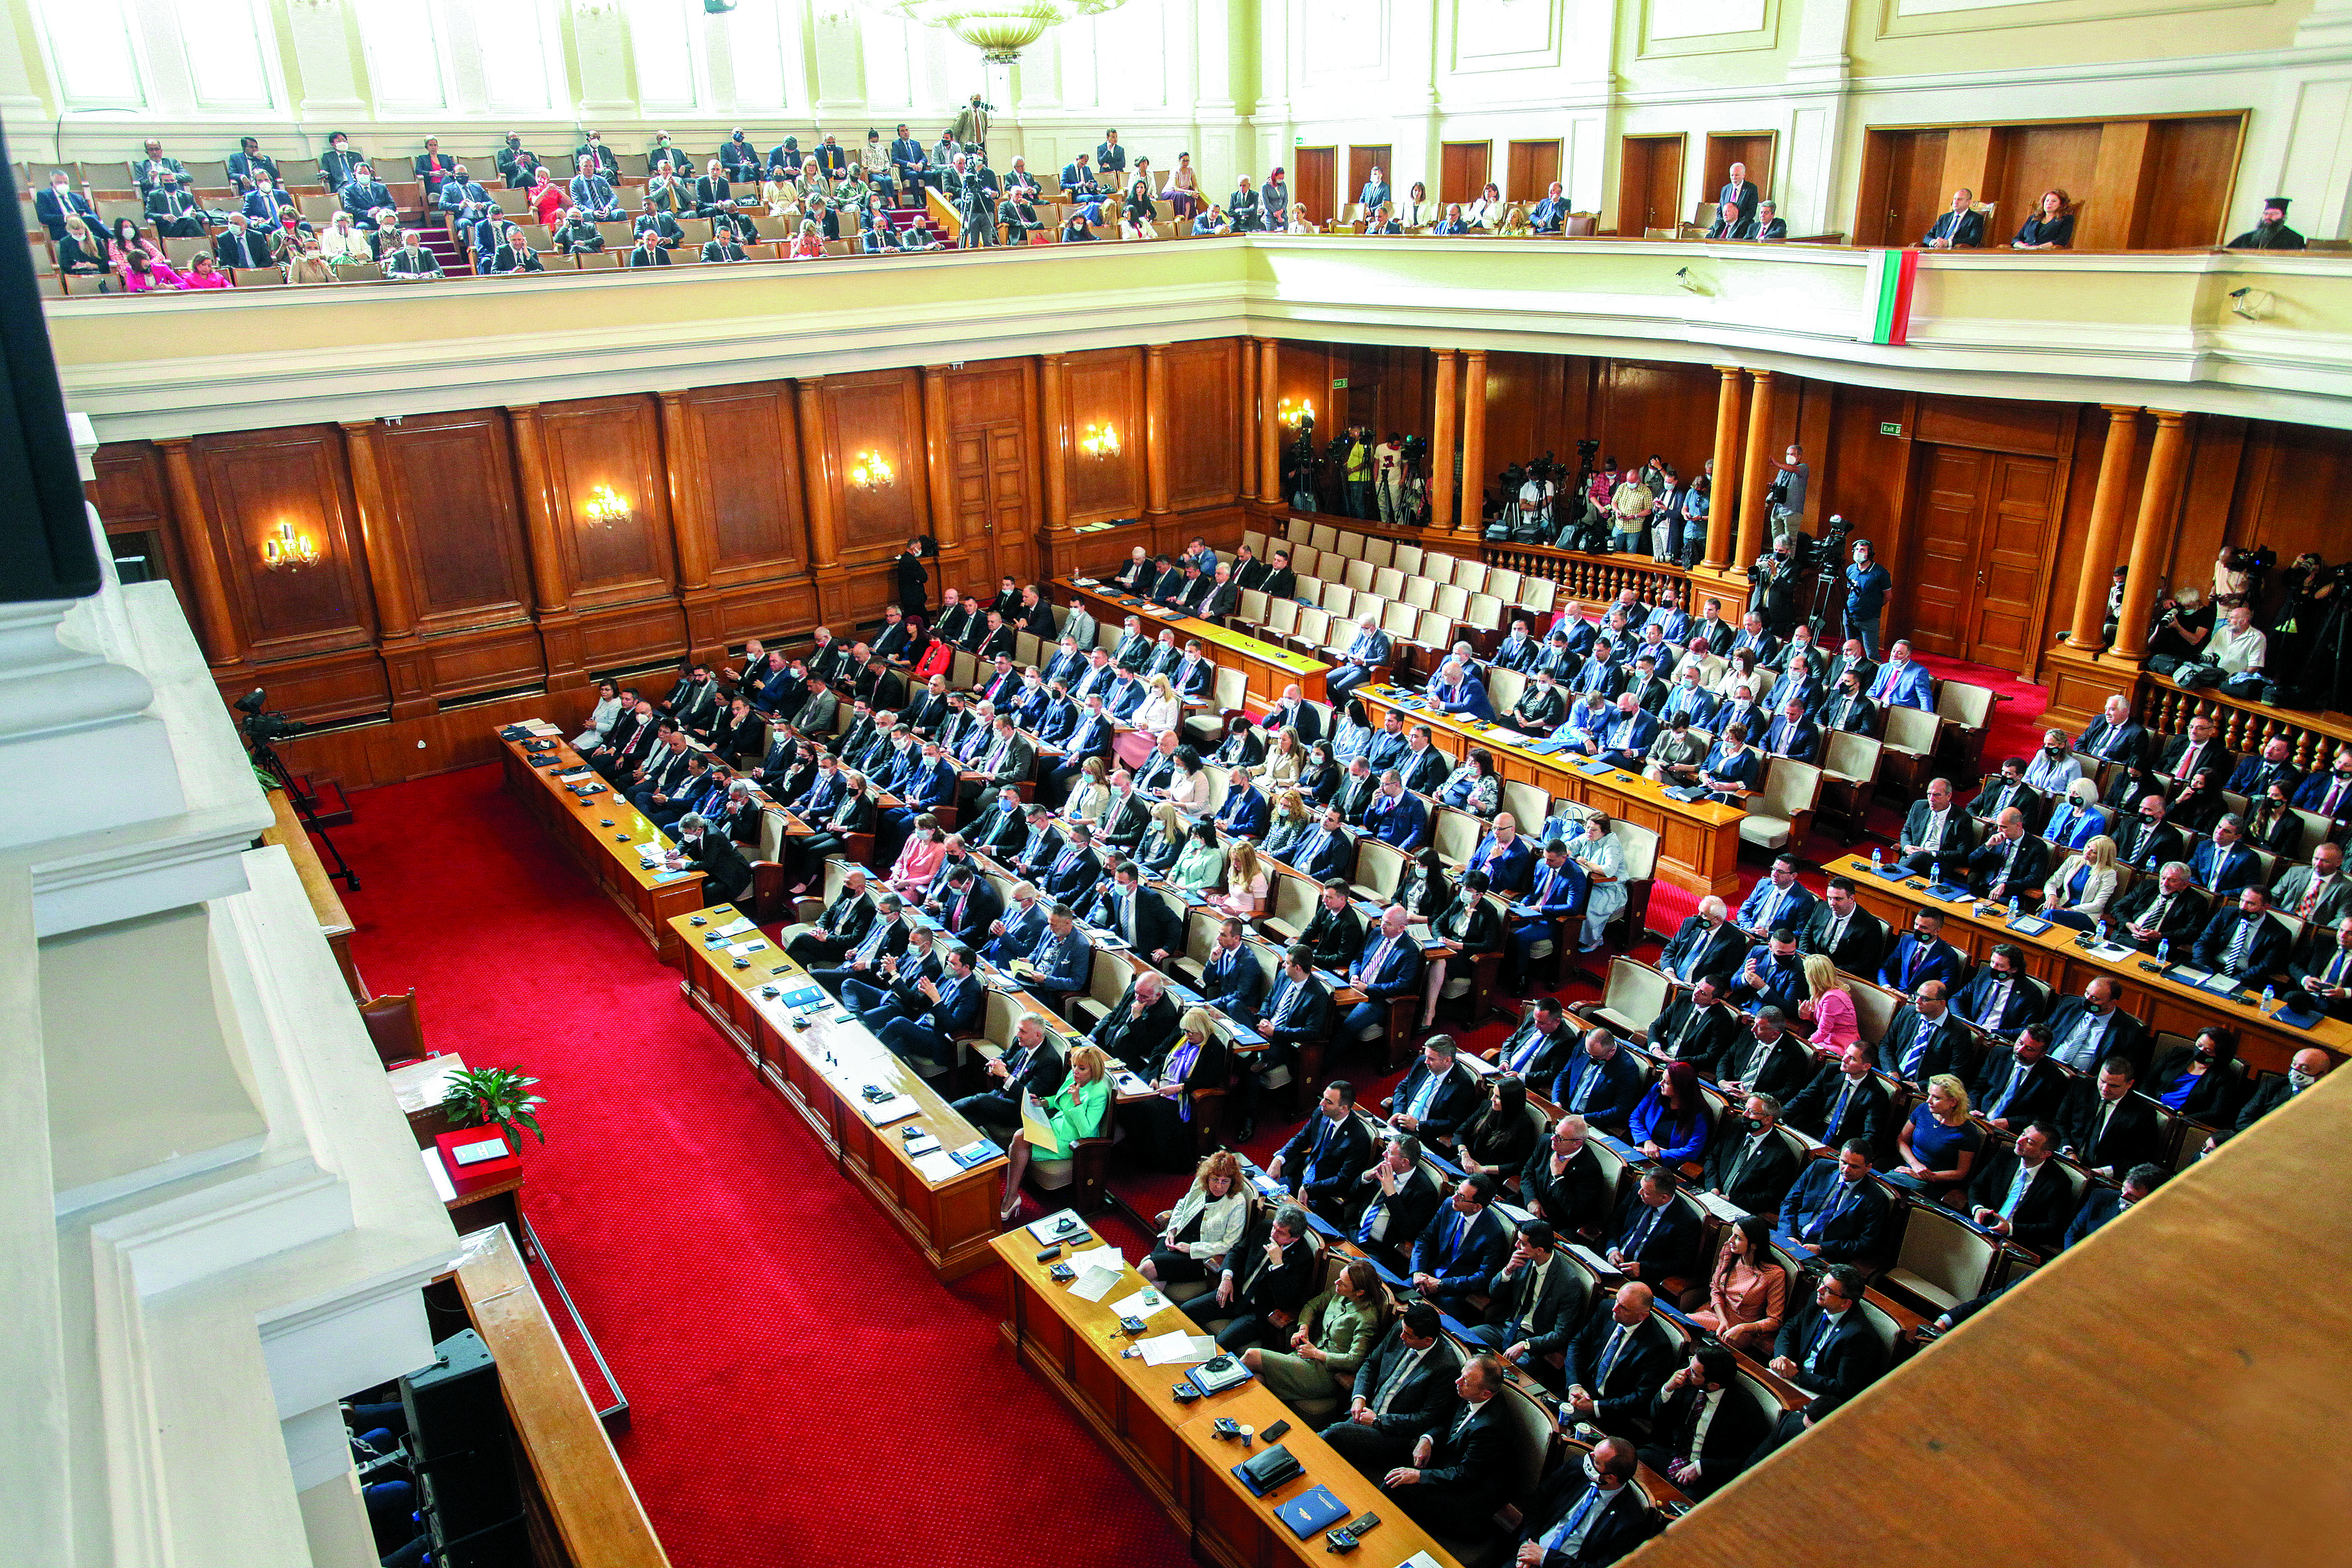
(499,1097)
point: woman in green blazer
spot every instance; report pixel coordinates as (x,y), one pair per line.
(1202,865)
(1335,1333)
(1079,1109)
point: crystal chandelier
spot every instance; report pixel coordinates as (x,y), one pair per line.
(999,29)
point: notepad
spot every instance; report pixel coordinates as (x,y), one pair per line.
(937,1166)
(743,948)
(897,1108)
(1094,1284)
(1178,1349)
(1145,1303)
(738,927)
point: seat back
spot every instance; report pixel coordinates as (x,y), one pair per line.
(1874,1008)
(1485,611)
(1299,530)
(1409,559)
(1111,973)
(1452,601)
(1387,582)
(1314,625)
(1292,900)
(1232,689)
(1456,835)
(1281,616)
(1420,593)
(1253,541)
(1325,537)
(1399,618)
(1527,1442)
(1251,605)
(1943,1260)
(1504,584)
(1380,552)
(1504,688)
(1337,597)
(1303,560)
(1436,628)
(1538,595)
(1220,779)
(1359,576)
(1635,990)
(1964,703)
(1470,575)
(1638,846)
(1851,757)
(1351,546)
(393,1026)
(1379,866)
(1791,789)
(1363,602)
(1912,730)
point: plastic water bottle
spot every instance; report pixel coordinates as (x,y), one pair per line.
(2163,953)
(1877,858)
(2103,930)
(2016,906)
(2270,998)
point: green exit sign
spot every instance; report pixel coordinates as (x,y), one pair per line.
(1890,429)
(1339,383)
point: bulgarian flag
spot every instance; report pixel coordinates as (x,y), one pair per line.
(1890,276)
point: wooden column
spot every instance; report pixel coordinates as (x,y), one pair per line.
(559,632)
(1269,420)
(407,669)
(817,487)
(2159,503)
(1723,493)
(215,622)
(1441,442)
(938,460)
(2106,527)
(1250,491)
(1054,440)
(1474,442)
(1756,482)
(1155,430)
(690,528)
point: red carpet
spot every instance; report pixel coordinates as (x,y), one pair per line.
(784,1352)
(789,1361)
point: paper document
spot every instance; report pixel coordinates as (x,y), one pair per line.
(1721,1208)
(743,948)
(922,1145)
(937,1166)
(1103,1256)
(897,1108)
(439,1173)
(1042,1143)
(1145,1303)
(1595,1262)
(1178,1349)
(738,928)
(2111,951)
(1094,1284)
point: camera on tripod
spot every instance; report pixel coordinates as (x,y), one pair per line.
(263,727)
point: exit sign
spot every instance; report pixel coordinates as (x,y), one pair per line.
(1339,383)
(1890,429)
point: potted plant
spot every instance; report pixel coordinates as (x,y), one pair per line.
(499,1097)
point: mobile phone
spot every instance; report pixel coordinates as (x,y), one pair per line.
(1274,1432)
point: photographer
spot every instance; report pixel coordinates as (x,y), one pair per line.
(2183,625)
(2240,650)
(1772,587)
(1786,494)
(1866,587)
(2315,591)
(1387,474)
(1356,459)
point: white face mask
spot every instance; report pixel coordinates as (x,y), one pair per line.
(2299,1081)
(1591,1470)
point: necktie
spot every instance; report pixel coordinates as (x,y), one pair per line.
(1379,966)
(2023,1179)
(1397,1373)
(2334,799)
(1820,1338)
(2107,1110)
(2188,761)
(2335,966)
(1527,1053)
(1282,1009)
(1641,1234)
(1423,1095)
(1837,1114)
(1609,1359)
(2310,899)
(1916,1049)
(2008,1091)
(1567,1536)
(2239,943)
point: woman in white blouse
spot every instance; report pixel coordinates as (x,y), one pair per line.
(1205,1225)
(1486,212)
(1160,712)
(1418,211)
(1285,759)
(1741,671)
(607,714)
(1090,794)
(1247,881)
(1182,190)
(1189,790)
(1298,222)
(1603,860)
(2077,892)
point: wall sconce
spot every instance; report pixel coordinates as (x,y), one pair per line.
(871,472)
(604,506)
(285,551)
(1099,441)
(1295,413)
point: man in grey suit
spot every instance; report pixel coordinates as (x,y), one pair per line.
(1404,1384)
(1534,1304)
(2317,894)
(817,714)
(1370,648)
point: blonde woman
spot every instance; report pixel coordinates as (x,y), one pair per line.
(1160,712)
(2078,892)
(1212,1215)
(1828,1005)
(1247,881)
(1165,840)
(808,245)
(1514,221)
(308,266)
(1079,1109)
(1939,1142)
(1197,1060)
(1286,821)
(1091,794)
(1284,760)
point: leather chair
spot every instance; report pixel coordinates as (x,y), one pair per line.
(394,1026)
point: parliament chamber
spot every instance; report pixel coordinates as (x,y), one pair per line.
(1606,822)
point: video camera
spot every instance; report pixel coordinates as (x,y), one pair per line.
(263,727)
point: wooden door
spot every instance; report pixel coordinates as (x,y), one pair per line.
(1310,181)
(1980,536)
(1754,150)
(1533,166)
(1649,184)
(1461,171)
(1903,190)
(1361,162)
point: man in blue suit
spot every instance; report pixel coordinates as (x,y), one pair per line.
(1601,1083)
(1388,967)
(1902,683)
(1773,975)
(2244,942)
(1792,735)
(1835,1209)
(959,1004)
(59,201)
(1323,849)
(931,784)
(1460,1249)
(1586,722)
(1776,900)
(2223,864)
(1457,691)
(1437,1096)
(1922,955)
(1246,812)
(1557,889)
(1233,979)
(1365,654)
(1508,858)
(1327,1153)
(1653,1236)
(1016,932)
(1395,817)
(1070,876)
(2328,793)
(1601,673)
(1625,739)
(1690,700)
(1061,964)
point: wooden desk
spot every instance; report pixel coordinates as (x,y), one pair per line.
(819,1070)
(1699,841)
(580,1507)
(609,855)
(1269,666)
(1074,1345)
(2165,1005)
(335,921)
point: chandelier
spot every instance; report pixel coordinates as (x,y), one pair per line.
(999,29)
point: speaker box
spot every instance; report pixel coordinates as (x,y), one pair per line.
(463,1447)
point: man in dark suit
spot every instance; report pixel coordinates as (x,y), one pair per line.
(239,244)
(1959,228)
(1327,1153)
(1534,1302)
(1461,1246)
(2321,969)
(58,201)
(2164,908)
(2023,1193)
(1935,836)
(2104,1203)
(727,875)
(1835,1209)
(1391,1204)
(1139,1030)
(1749,1163)
(1924,1039)
(1618,1362)
(1828,1346)
(1602,1082)
(1706,944)
(1588,1515)
(968,905)
(1771,1060)
(1454,1479)
(1703,1426)
(1922,955)
(1854,938)
(2106,1128)
(1263,1287)
(1844,1103)
(2223,864)
(2115,735)
(840,928)
(2319,894)
(2010,865)
(1737,201)
(2018,1082)
(2003,790)
(1694,1026)
(1653,1236)
(2001,997)
(2086,1029)
(1294,712)
(957,1005)
(1406,1382)
(2184,756)
(2244,942)
(1437,1096)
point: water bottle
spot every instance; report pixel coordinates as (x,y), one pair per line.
(1877,858)
(2103,930)
(2016,906)
(2163,953)
(2270,998)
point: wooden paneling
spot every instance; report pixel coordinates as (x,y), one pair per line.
(1361,162)
(744,455)
(878,412)
(1942,562)
(1754,149)
(2034,159)
(1991,424)
(633,635)
(320,688)
(1533,166)
(613,441)
(1204,398)
(1649,184)
(1902,186)
(1982,532)
(132,497)
(1106,387)
(255,480)
(2194,169)
(1462,175)
(1312,182)
(2291,477)
(1668,409)
(498,659)
(992,465)
(450,481)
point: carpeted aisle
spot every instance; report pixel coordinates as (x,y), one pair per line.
(801,1388)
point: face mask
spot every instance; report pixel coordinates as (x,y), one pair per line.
(2298,1079)
(1591,1470)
